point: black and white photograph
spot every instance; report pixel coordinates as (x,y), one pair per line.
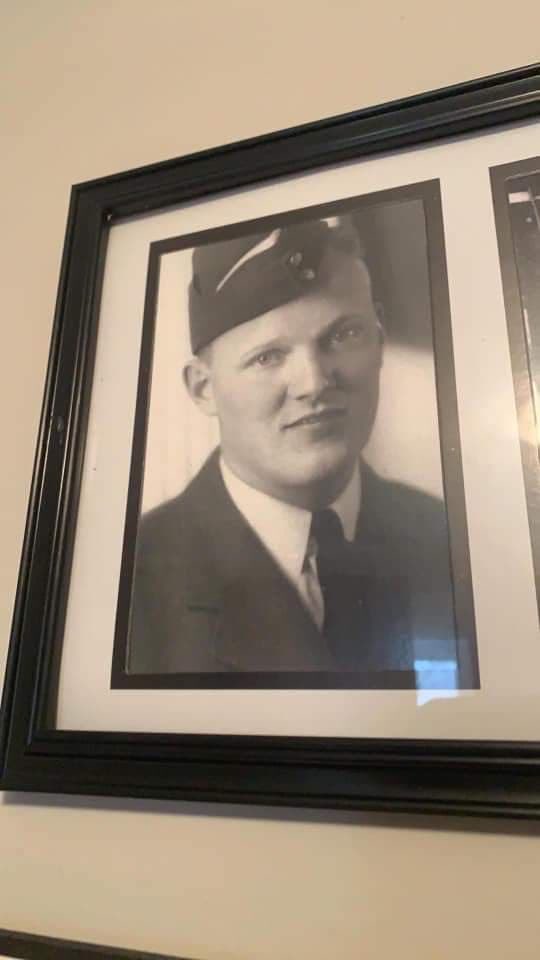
(516,200)
(296,514)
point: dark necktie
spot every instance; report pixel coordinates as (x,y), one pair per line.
(333,553)
(352,588)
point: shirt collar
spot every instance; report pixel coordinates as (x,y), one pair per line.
(284,528)
(347,505)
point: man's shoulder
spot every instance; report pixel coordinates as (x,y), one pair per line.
(403,510)
(414,499)
(190,510)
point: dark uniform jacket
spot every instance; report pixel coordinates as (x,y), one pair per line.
(208,597)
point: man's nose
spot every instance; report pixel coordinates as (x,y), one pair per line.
(310,374)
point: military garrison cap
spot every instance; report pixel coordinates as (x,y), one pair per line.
(237,280)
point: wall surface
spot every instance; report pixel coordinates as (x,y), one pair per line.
(97,86)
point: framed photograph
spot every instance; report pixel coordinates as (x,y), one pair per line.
(215,589)
(282,538)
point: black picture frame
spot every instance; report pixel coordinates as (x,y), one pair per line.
(31,946)
(430,776)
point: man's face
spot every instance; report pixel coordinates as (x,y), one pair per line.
(296,389)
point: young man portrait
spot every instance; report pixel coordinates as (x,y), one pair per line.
(287,553)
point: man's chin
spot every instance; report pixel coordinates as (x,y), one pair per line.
(321,480)
(326,461)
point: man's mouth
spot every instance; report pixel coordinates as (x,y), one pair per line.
(319,417)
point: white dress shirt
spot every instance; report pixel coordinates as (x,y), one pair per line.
(284,531)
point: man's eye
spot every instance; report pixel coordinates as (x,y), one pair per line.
(351,331)
(267,358)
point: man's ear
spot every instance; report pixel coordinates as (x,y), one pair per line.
(381,325)
(381,329)
(198,382)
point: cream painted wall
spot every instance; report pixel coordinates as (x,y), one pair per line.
(94,87)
